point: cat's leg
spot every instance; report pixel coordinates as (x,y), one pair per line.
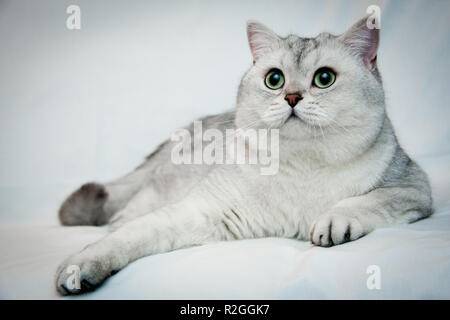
(404,200)
(147,200)
(137,193)
(161,190)
(94,203)
(192,222)
(161,182)
(144,202)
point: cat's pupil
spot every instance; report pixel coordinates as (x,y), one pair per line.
(274,79)
(325,78)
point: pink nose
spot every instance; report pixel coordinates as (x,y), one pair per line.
(293,98)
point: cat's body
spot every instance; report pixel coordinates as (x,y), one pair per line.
(341,170)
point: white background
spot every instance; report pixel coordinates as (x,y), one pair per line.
(89,104)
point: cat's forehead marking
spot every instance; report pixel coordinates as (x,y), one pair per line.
(312,49)
(312,44)
(307,46)
(303,53)
(296,45)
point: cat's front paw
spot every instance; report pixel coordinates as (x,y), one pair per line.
(335,228)
(81,273)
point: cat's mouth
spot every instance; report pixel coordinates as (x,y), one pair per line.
(302,118)
(293,117)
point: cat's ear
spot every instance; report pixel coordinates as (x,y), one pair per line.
(363,38)
(260,39)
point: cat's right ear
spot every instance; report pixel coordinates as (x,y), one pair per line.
(363,41)
(260,39)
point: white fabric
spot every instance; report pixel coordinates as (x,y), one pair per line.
(90,104)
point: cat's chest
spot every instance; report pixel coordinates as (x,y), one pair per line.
(306,192)
(312,192)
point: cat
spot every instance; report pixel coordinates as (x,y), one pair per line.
(342,172)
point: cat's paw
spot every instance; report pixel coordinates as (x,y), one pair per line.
(335,228)
(81,273)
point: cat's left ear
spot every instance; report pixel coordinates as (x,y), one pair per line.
(363,38)
(260,38)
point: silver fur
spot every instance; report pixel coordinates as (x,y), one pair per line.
(342,172)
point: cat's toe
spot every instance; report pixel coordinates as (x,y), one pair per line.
(334,229)
(79,275)
(68,279)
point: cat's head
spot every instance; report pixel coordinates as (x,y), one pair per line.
(312,87)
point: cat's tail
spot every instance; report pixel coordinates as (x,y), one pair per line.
(85,206)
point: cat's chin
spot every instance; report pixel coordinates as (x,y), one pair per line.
(295,127)
(295,119)
(297,122)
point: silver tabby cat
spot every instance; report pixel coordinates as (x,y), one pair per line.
(341,171)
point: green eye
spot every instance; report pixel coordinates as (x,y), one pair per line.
(324,78)
(274,79)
